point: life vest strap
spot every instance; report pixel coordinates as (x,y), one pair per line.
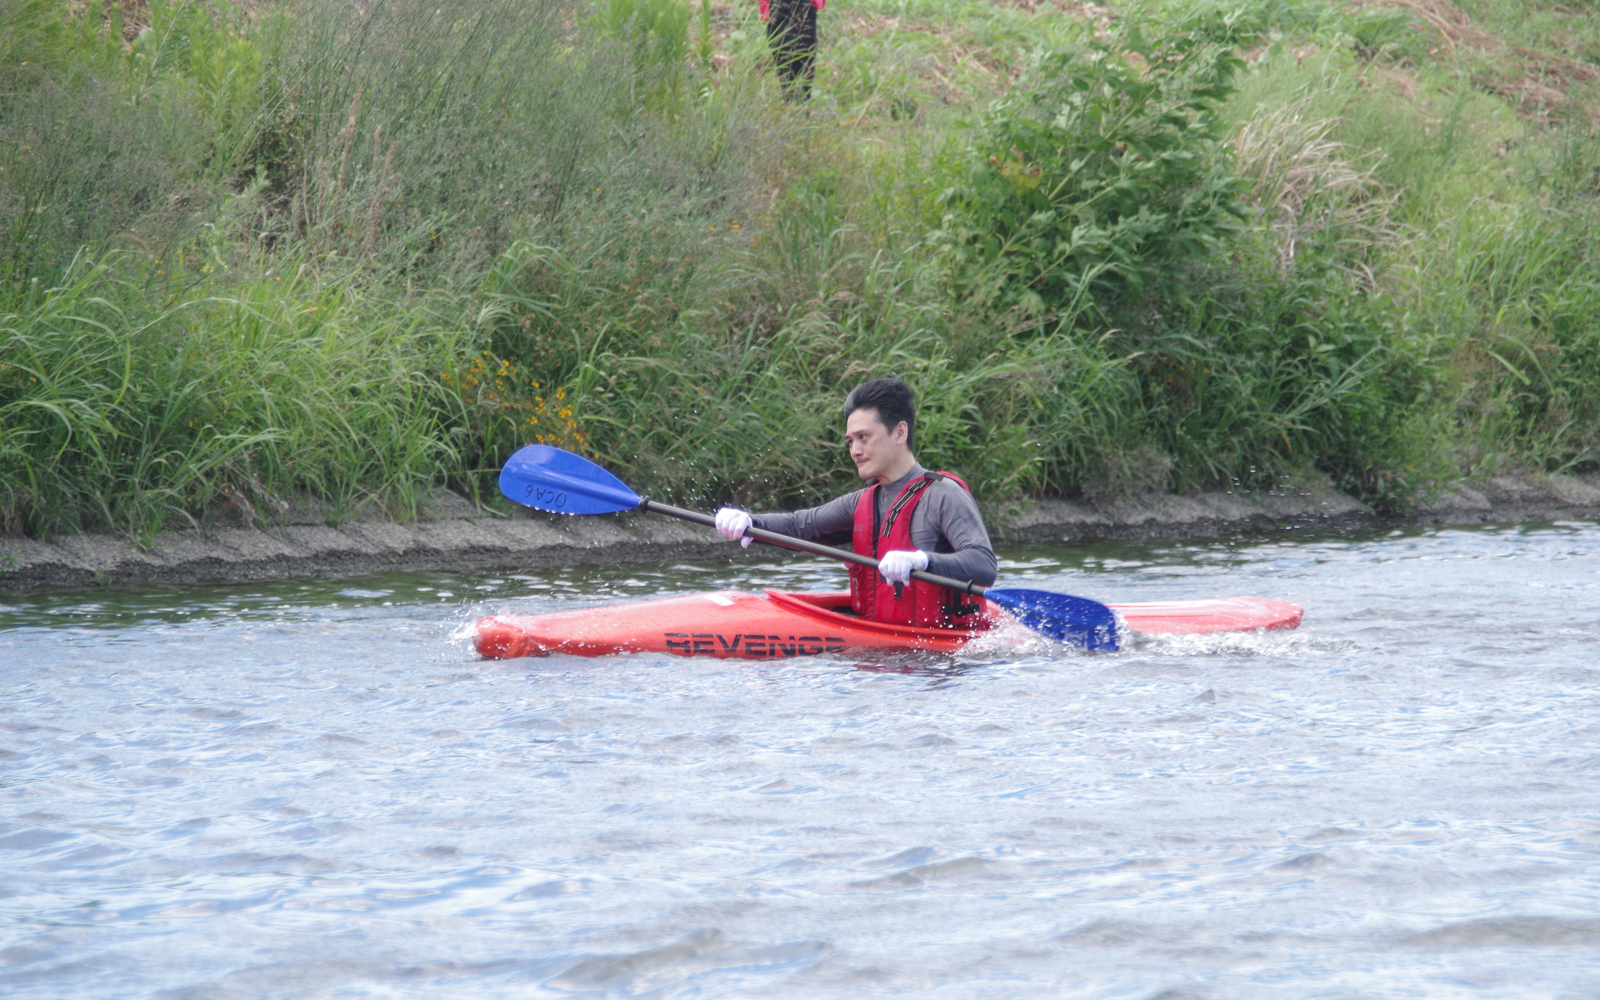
(872,596)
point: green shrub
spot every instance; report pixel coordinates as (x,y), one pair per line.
(1103,171)
(221,59)
(656,33)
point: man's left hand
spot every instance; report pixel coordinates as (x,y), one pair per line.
(896,566)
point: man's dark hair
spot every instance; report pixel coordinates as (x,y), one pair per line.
(892,399)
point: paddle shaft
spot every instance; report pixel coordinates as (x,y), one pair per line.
(815,548)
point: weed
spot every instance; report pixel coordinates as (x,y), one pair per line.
(1101,171)
(356,251)
(123,411)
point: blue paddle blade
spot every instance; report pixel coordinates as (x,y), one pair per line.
(547,478)
(1077,620)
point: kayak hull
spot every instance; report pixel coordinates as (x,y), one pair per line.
(737,624)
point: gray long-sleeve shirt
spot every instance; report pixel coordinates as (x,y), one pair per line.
(945,524)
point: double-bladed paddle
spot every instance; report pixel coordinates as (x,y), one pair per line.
(550,479)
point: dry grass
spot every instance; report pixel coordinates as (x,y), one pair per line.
(1098,13)
(1314,190)
(1540,85)
(1453,25)
(135,14)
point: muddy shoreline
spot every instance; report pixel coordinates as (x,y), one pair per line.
(453,535)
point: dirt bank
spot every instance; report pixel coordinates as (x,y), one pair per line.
(453,535)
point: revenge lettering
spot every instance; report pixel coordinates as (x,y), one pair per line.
(756,645)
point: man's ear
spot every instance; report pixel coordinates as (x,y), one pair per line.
(901,432)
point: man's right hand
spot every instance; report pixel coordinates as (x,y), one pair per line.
(733,523)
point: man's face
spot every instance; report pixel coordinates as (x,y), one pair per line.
(873,447)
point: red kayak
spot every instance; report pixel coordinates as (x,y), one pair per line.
(735,623)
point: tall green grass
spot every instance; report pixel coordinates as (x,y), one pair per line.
(134,411)
(356,252)
(1515,302)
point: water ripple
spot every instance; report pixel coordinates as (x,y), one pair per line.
(313,789)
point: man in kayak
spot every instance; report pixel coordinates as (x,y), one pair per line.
(907,518)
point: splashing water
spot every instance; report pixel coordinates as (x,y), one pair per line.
(314,789)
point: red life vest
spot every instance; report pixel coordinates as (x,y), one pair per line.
(916,603)
(766,13)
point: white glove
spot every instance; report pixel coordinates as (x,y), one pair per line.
(733,523)
(896,566)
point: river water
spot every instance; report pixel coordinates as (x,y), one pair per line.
(315,790)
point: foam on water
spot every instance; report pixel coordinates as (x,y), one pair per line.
(316,790)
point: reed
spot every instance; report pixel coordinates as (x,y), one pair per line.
(353,253)
(123,409)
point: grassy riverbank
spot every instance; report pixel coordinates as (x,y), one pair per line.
(249,254)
